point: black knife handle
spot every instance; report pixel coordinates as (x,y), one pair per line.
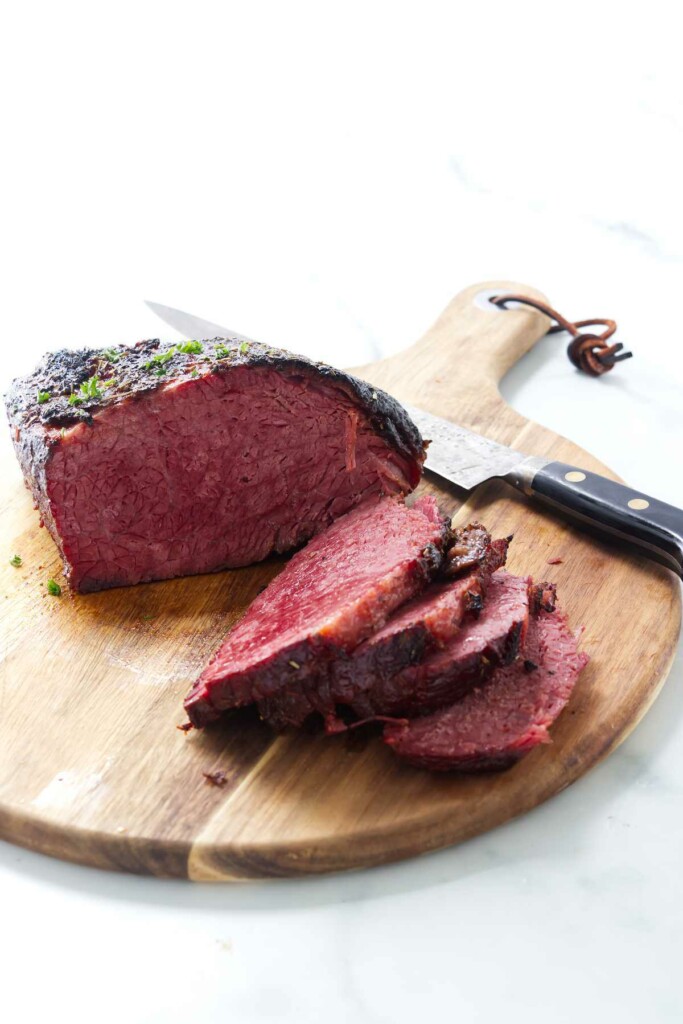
(655,527)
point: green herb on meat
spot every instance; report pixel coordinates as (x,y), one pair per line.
(244,347)
(53,588)
(193,348)
(160,360)
(90,390)
(43,396)
(222,352)
(111,355)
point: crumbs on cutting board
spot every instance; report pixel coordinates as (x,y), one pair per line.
(216,778)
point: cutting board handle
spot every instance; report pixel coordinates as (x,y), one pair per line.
(471,338)
(502,336)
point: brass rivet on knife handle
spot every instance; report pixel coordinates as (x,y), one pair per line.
(587,351)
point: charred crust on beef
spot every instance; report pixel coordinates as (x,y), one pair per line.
(470,544)
(515,641)
(475,602)
(542,596)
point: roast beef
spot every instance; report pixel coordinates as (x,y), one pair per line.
(157,461)
(494,725)
(330,596)
(428,621)
(490,639)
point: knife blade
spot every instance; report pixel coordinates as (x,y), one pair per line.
(192,326)
(461,456)
(468,459)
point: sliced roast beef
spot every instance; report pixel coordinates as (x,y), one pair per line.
(157,461)
(490,639)
(331,595)
(495,725)
(429,621)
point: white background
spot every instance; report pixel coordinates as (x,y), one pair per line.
(325,177)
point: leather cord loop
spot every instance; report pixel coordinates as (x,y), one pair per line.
(588,351)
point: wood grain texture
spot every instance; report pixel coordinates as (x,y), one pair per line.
(92,768)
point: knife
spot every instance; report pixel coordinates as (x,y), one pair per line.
(468,459)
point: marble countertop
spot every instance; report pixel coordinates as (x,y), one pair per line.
(326,178)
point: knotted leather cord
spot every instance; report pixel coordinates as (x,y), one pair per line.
(587,351)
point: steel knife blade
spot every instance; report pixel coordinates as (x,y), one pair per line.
(192,326)
(468,459)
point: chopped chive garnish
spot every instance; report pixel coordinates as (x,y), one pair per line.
(193,348)
(43,396)
(159,360)
(90,389)
(53,588)
(111,355)
(222,352)
(244,347)
(15,560)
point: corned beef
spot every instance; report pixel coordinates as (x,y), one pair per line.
(492,638)
(333,594)
(496,724)
(157,461)
(429,621)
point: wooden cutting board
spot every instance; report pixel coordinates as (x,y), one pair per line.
(92,768)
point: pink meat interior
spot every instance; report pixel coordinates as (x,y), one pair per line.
(438,610)
(210,473)
(507,602)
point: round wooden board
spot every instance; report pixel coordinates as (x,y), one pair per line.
(92,768)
